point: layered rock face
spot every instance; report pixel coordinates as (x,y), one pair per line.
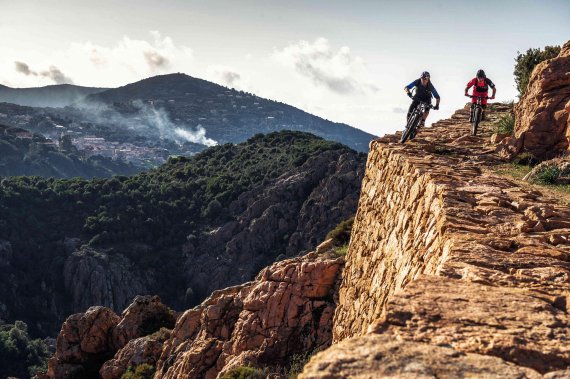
(110,280)
(445,253)
(288,309)
(285,218)
(542,115)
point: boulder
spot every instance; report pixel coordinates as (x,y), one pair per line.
(542,115)
(144,316)
(83,344)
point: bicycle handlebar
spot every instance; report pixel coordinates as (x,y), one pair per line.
(482,97)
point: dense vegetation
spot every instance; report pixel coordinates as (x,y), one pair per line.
(24,153)
(526,62)
(147,207)
(159,208)
(20,356)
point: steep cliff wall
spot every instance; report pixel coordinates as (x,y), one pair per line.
(446,253)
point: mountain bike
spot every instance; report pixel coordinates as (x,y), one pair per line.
(477,113)
(414,121)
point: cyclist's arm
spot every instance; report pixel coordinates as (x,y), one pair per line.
(470,84)
(435,94)
(410,86)
(492,85)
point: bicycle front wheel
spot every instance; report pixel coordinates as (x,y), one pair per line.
(476,121)
(411,127)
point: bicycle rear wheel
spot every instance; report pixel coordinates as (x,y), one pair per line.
(476,121)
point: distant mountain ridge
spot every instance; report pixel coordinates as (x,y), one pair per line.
(163,115)
(228,115)
(59,95)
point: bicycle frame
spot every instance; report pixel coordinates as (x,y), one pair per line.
(477,112)
(414,120)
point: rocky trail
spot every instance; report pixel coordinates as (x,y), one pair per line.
(463,259)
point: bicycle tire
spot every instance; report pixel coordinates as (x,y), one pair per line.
(476,120)
(412,124)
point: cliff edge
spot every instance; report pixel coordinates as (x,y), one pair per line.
(450,262)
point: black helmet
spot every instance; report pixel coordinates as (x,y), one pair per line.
(480,74)
(424,75)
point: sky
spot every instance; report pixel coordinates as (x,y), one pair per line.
(346,61)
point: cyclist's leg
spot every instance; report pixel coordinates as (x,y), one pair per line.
(472,110)
(424,118)
(484,106)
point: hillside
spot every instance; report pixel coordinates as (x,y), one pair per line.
(26,153)
(227,115)
(59,95)
(181,231)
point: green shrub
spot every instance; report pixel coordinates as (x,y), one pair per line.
(526,62)
(506,124)
(341,250)
(548,174)
(21,356)
(244,372)
(341,233)
(143,371)
(296,364)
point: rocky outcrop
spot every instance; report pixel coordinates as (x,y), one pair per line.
(145,315)
(288,309)
(87,340)
(446,253)
(83,344)
(542,115)
(94,277)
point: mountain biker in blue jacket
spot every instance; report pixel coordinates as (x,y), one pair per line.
(424,92)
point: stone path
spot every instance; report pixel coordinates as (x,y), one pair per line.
(488,274)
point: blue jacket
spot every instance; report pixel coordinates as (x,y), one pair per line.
(423,93)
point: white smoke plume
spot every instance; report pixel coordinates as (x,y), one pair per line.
(148,120)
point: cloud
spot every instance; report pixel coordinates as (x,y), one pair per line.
(155,60)
(56,75)
(124,61)
(339,71)
(224,75)
(53,73)
(23,68)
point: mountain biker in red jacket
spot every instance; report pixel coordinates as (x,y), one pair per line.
(480,84)
(424,92)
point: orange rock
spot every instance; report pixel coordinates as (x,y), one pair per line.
(286,310)
(542,114)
